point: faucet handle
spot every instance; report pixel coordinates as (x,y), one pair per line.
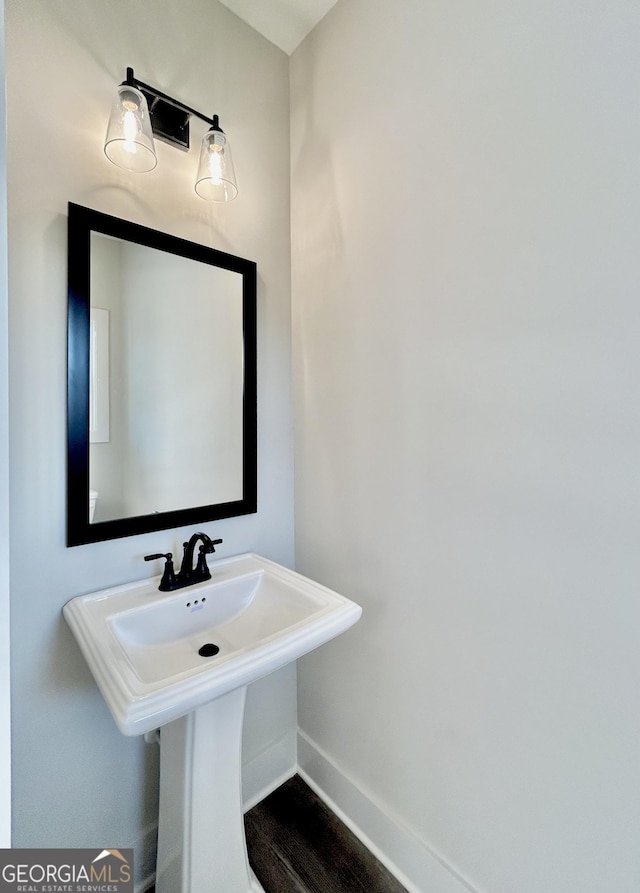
(166,555)
(202,571)
(168,581)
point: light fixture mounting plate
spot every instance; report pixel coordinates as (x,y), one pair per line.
(168,122)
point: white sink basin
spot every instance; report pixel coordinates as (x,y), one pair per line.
(143,646)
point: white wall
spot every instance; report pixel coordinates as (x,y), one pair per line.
(466,209)
(77,781)
(5,692)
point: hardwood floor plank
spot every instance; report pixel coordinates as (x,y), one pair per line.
(297,845)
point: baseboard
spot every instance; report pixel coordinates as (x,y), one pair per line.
(146,884)
(144,858)
(268,770)
(415,865)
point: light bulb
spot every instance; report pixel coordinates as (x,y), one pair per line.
(215,164)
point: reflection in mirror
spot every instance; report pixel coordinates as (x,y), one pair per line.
(99,372)
(175,388)
(161,380)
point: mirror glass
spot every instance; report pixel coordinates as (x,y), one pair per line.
(161,380)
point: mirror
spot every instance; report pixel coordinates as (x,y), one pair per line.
(161,381)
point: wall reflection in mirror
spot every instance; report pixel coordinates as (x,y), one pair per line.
(166,406)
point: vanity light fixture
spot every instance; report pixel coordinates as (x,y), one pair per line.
(139,112)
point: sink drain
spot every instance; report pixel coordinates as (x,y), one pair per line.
(208,650)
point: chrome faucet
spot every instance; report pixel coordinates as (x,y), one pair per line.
(187,575)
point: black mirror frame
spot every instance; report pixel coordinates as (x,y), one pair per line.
(82,222)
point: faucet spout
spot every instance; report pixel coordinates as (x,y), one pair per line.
(188,574)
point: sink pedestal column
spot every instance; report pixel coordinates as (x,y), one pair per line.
(201,841)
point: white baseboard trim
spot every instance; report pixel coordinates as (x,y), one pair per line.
(268,770)
(144,858)
(415,865)
(145,884)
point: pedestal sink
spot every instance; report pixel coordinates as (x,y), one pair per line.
(181,662)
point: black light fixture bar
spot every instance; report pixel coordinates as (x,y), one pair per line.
(169,117)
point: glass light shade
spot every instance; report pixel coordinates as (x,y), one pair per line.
(129,141)
(216,179)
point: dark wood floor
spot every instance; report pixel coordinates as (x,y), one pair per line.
(297,845)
